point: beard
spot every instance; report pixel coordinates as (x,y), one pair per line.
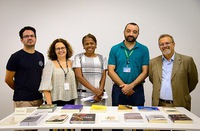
(166,52)
(29,44)
(130,38)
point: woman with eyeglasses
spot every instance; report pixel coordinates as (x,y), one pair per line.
(58,80)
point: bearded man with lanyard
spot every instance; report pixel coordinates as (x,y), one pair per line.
(128,67)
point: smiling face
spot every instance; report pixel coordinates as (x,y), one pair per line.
(60,50)
(166,45)
(89,45)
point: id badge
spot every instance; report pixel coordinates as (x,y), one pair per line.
(66,86)
(127,69)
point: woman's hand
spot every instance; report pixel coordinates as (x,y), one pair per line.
(97,98)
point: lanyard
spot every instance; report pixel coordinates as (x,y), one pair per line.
(63,69)
(128,56)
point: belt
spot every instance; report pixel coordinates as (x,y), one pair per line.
(80,90)
(166,101)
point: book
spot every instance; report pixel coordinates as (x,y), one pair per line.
(180,118)
(47,108)
(148,108)
(98,108)
(109,118)
(33,119)
(156,118)
(170,110)
(91,98)
(57,119)
(71,108)
(24,110)
(82,118)
(133,117)
(125,108)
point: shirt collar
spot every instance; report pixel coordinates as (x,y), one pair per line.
(136,45)
(172,58)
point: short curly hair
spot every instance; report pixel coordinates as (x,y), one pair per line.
(51,52)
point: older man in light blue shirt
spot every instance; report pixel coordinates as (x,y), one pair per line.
(166,88)
(174,76)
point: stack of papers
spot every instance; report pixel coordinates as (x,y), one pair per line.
(91,98)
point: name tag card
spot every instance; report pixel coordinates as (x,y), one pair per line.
(20,110)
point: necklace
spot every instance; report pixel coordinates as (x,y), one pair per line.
(65,73)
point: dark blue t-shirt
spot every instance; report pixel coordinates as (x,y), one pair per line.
(28,68)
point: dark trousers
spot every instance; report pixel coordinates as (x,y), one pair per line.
(137,99)
(62,103)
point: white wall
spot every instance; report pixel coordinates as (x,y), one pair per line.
(72,19)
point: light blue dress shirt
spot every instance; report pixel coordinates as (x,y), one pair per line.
(166,88)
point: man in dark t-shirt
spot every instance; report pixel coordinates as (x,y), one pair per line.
(24,70)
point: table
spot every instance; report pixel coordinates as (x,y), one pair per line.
(12,121)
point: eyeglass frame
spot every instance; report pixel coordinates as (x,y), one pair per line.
(61,48)
(27,36)
(166,43)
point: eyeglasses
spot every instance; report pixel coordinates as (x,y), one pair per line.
(27,36)
(61,48)
(166,43)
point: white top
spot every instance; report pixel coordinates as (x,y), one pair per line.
(53,79)
(92,69)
